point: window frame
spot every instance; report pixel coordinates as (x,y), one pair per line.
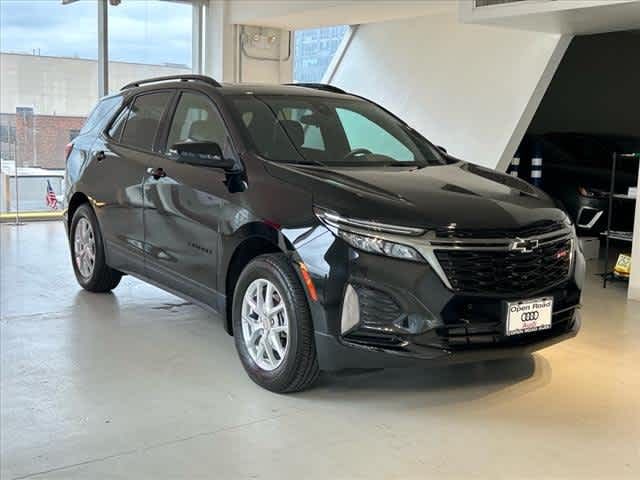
(174,109)
(170,113)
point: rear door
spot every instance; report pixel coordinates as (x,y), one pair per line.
(122,155)
(183,205)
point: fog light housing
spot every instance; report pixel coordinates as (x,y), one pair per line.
(350,310)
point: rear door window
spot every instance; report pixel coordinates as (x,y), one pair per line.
(143,120)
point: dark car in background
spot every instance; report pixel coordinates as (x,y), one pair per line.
(327,232)
(576,171)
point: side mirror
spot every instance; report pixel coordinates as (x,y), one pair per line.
(441,148)
(204,154)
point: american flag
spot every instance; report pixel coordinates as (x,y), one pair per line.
(52,201)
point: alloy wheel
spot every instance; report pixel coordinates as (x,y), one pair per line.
(265,324)
(84,247)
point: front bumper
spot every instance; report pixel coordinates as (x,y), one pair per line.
(335,355)
(459,327)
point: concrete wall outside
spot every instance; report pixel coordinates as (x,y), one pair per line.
(472,89)
(61,85)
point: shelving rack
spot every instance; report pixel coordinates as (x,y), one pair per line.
(610,234)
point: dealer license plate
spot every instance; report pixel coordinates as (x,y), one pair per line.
(528,316)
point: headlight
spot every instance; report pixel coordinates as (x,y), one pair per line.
(370,240)
(380,246)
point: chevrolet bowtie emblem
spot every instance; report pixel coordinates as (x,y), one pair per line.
(524,246)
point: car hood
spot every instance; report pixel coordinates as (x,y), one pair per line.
(459,195)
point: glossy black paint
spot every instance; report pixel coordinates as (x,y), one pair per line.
(191,228)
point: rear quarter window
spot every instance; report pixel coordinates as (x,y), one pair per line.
(101,113)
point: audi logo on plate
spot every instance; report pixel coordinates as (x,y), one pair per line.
(529,316)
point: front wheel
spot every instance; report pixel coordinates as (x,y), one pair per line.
(87,253)
(272,326)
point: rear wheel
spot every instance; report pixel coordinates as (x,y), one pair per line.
(272,326)
(87,253)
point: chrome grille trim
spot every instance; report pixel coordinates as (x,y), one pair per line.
(427,242)
(357,225)
(498,243)
(427,245)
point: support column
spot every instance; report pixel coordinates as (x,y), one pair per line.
(220,42)
(103,48)
(197,40)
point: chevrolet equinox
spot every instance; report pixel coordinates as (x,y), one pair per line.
(327,232)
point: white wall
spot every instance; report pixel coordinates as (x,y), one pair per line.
(271,63)
(226,61)
(470,88)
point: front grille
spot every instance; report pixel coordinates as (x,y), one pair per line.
(533,230)
(506,272)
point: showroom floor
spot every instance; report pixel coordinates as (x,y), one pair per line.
(139,384)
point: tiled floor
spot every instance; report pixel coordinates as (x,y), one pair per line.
(137,384)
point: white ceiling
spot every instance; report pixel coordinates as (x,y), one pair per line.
(560,16)
(577,17)
(300,14)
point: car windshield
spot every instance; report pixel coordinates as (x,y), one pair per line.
(329,131)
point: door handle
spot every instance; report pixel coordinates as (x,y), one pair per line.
(100,156)
(156,173)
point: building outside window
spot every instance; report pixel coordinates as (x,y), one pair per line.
(48,80)
(313,51)
(148,38)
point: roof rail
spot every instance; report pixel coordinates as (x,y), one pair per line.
(183,78)
(325,87)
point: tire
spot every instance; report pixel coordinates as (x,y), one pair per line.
(94,276)
(297,368)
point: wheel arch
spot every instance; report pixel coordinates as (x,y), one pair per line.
(77,199)
(252,240)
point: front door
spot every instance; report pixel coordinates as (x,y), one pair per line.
(183,204)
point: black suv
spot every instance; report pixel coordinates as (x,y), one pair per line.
(327,232)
